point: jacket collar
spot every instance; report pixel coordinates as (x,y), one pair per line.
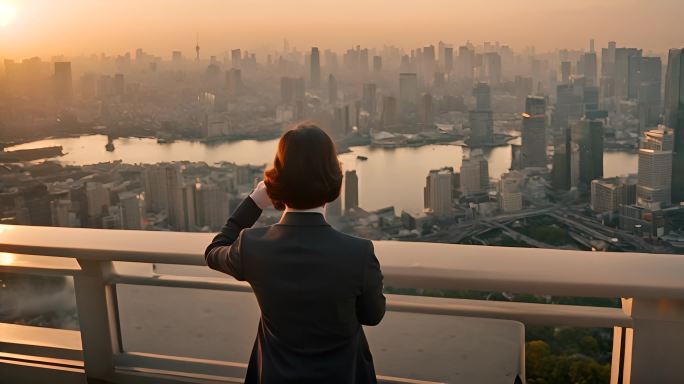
(303,219)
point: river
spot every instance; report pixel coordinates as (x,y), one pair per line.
(390,176)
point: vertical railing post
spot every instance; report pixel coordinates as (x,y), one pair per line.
(97,310)
(653,349)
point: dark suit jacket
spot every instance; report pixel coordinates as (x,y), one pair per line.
(315,287)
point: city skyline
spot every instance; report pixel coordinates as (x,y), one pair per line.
(39,28)
(132,131)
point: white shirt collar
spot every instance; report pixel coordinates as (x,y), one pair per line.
(320,210)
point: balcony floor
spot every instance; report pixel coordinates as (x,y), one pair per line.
(406,345)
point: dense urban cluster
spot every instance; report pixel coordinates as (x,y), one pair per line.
(567,107)
(179,196)
(559,112)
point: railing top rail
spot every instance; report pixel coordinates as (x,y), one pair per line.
(405,264)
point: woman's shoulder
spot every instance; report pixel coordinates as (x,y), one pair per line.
(336,238)
(354,240)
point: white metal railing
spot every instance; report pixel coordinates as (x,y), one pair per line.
(649,329)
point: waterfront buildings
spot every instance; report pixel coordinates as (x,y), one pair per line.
(481,118)
(474,173)
(534,132)
(438,191)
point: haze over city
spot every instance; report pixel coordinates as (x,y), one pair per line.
(75,27)
(512,169)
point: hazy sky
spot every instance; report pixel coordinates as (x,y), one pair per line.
(72,27)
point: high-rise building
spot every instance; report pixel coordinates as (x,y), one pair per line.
(408,91)
(315,68)
(655,168)
(351,191)
(342,119)
(607,195)
(33,205)
(474,175)
(211,205)
(130,211)
(188,216)
(483,97)
(466,61)
(565,72)
(588,135)
(481,118)
(369,98)
(634,75)
(98,199)
(565,165)
(534,132)
(674,118)
(173,179)
(119,85)
(364,60)
(590,98)
(348,122)
(492,67)
(233,80)
(377,64)
(510,191)
(650,100)
(653,191)
(426,114)
(63,82)
(390,113)
(236,58)
(568,107)
(523,87)
(291,89)
(589,67)
(286,90)
(62,215)
(166,191)
(332,89)
(627,62)
(438,190)
(608,60)
(429,61)
(448,59)
(156,194)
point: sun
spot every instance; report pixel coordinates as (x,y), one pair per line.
(8,13)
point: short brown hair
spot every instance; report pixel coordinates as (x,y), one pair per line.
(305,172)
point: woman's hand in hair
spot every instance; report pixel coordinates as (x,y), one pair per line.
(260,196)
